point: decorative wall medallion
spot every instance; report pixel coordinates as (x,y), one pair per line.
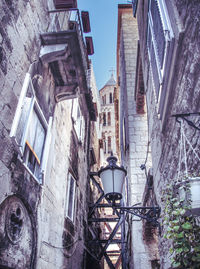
(17,235)
(14,222)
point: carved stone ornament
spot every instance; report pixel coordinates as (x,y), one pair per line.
(14,222)
(17,241)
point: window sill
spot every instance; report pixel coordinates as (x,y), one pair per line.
(69,220)
(30,172)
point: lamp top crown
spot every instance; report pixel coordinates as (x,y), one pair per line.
(112,161)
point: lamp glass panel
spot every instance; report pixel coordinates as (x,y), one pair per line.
(119,176)
(112,180)
(106,178)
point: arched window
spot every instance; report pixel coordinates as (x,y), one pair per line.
(109,144)
(109,118)
(111,99)
(105,99)
(104,119)
(104,146)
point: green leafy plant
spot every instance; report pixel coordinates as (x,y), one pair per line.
(181,227)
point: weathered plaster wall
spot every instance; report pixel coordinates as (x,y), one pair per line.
(184,97)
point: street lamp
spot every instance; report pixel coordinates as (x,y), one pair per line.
(112,177)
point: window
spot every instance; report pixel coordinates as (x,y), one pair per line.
(109,118)
(111,98)
(104,144)
(30,131)
(124,136)
(104,119)
(104,100)
(109,144)
(71,197)
(78,119)
(159,36)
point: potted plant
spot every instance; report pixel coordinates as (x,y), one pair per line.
(181,226)
(189,192)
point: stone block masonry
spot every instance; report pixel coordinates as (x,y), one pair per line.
(136,132)
(38,231)
(182,96)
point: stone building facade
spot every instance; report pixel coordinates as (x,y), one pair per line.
(133,130)
(46,151)
(108,117)
(169,55)
(158,79)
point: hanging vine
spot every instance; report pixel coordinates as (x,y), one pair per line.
(181,225)
(182,228)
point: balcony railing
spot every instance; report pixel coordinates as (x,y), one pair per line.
(69,20)
(64,50)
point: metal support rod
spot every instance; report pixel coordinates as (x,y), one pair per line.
(184,117)
(111,236)
(104,241)
(103,219)
(151,214)
(123,245)
(95,205)
(108,260)
(118,262)
(105,205)
(95,182)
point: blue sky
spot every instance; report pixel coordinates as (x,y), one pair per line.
(103,21)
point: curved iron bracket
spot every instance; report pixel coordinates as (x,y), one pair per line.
(150,214)
(184,116)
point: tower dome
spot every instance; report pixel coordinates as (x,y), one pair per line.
(111,81)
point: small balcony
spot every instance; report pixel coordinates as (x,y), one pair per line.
(64,50)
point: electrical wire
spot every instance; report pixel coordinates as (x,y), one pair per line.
(64,248)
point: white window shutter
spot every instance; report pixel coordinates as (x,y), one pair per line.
(82,129)
(46,149)
(18,113)
(20,105)
(75,109)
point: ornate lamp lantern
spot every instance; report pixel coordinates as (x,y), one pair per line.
(112,177)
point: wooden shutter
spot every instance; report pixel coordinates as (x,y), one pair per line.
(85,21)
(64,4)
(89,45)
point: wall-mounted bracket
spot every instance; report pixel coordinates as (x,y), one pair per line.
(184,116)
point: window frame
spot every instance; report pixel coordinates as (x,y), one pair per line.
(168,37)
(20,146)
(111,98)
(109,144)
(104,119)
(78,121)
(109,118)
(73,198)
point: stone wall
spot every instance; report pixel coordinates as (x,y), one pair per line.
(19,38)
(183,96)
(45,237)
(133,131)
